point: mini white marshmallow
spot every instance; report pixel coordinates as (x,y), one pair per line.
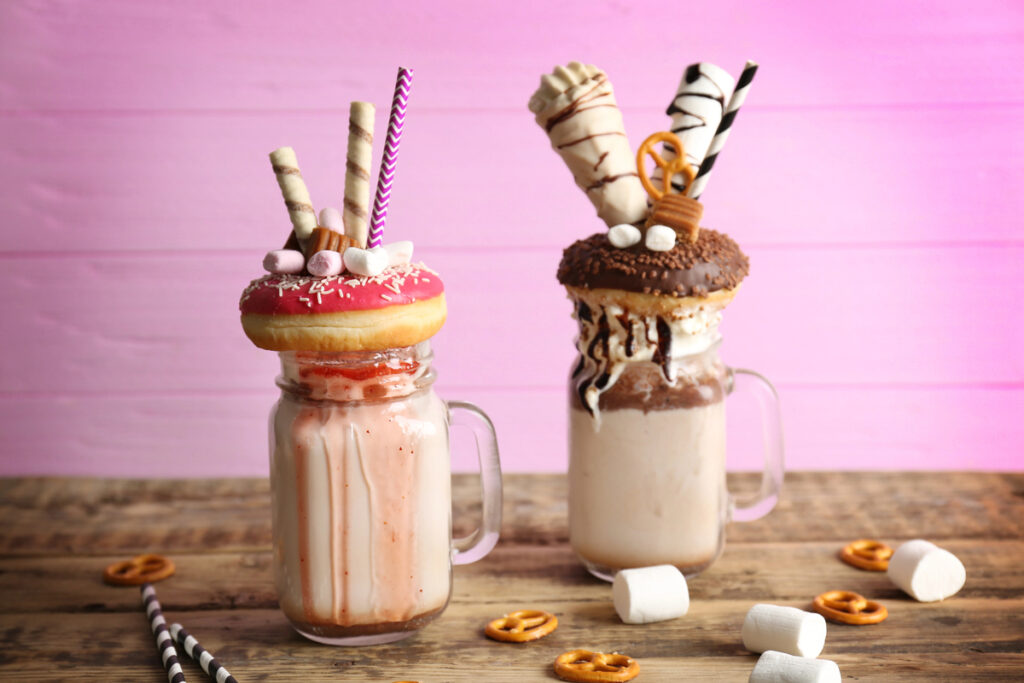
(325,263)
(366,262)
(331,218)
(284,261)
(778,667)
(399,253)
(925,571)
(649,594)
(785,629)
(624,235)
(660,238)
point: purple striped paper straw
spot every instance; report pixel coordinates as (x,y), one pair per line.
(387,167)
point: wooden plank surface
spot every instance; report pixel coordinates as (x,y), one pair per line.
(60,622)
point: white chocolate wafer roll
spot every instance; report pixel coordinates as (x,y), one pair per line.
(786,629)
(648,594)
(293,189)
(357,171)
(925,571)
(696,111)
(575,105)
(778,667)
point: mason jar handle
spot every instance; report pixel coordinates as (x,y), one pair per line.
(760,504)
(476,545)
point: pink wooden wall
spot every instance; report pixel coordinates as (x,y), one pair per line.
(874,178)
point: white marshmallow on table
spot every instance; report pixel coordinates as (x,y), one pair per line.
(785,629)
(778,667)
(399,253)
(284,261)
(366,262)
(325,263)
(331,218)
(623,235)
(649,594)
(660,238)
(925,571)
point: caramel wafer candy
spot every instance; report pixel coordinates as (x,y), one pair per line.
(576,107)
(293,189)
(325,238)
(201,655)
(164,642)
(357,171)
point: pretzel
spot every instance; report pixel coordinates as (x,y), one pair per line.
(867,554)
(522,626)
(848,607)
(668,168)
(139,570)
(585,666)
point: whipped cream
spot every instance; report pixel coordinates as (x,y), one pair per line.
(611,336)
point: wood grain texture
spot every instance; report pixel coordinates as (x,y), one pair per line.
(224,434)
(321,54)
(61,622)
(136,324)
(112,182)
(873,177)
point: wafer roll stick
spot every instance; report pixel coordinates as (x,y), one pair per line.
(293,189)
(739,96)
(357,171)
(164,642)
(696,112)
(576,107)
(193,649)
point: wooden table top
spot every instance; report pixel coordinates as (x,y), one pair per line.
(61,622)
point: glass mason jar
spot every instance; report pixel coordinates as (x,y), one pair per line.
(647,468)
(361,493)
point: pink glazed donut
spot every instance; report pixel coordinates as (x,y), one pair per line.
(402,306)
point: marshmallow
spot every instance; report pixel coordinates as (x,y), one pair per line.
(325,263)
(366,262)
(925,571)
(778,667)
(623,235)
(649,594)
(660,238)
(785,629)
(399,253)
(281,261)
(331,218)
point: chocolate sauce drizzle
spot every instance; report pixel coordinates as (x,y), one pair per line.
(594,366)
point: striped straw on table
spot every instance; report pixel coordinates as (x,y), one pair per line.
(739,95)
(387,165)
(193,649)
(164,642)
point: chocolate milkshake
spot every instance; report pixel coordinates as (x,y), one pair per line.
(647,392)
(646,405)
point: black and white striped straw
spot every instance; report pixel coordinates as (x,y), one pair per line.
(739,95)
(164,642)
(193,649)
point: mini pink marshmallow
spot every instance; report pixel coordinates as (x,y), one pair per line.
(284,261)
(331,218)
(325,263)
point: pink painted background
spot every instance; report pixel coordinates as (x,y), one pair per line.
(874,177)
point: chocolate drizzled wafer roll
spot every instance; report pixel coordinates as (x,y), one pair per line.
(357,171)
(293,189)
(697,109)
(164,642)
(576,107)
